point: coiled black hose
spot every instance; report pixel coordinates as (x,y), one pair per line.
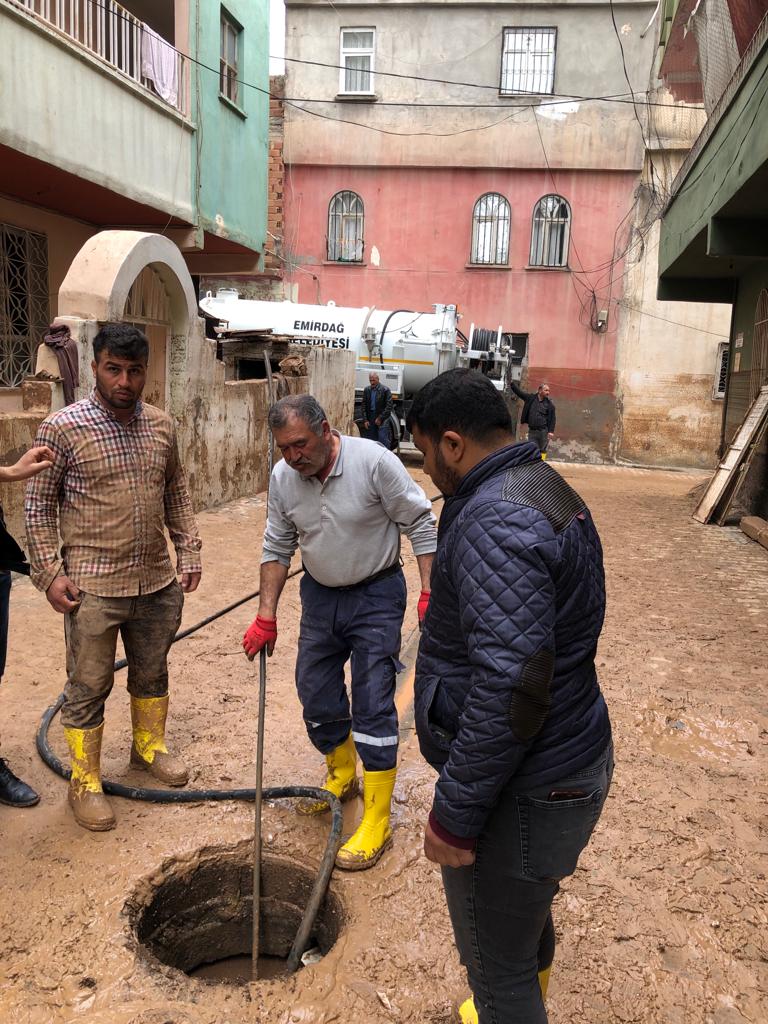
(190,796)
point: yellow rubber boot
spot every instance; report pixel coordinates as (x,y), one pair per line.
(149,752)
(90,807)
(341,778)
(373,835)
(468,1013)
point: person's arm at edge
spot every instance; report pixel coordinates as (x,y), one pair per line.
(41,510)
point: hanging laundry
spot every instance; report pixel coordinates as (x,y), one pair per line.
(160,65)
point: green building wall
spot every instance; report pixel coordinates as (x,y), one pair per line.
(231,170)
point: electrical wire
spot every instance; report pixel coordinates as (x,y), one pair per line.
(628,98)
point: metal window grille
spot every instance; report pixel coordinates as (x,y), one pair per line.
(550,232)
(345,228)
(528,61)
(228,64)
(721,370)
(490,230)
(356,60)
(110,32)
(24,314)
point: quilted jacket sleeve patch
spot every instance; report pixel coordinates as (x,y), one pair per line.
(500,569)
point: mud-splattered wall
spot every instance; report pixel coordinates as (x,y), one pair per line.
(223,424)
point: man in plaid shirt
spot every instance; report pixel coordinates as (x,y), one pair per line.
(115,482)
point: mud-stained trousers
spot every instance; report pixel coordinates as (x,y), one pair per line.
(500,906)
(147,624)
(362,624)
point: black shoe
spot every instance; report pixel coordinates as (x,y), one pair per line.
(13,791)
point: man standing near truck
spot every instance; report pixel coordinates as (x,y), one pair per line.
(538,413)
(343,501)
(377,408)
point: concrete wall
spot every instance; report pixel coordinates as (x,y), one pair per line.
(666,351)
(222,424)
(65,235)
(461,42)
(128,142)
(233,141)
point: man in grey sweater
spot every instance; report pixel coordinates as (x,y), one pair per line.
(343,501)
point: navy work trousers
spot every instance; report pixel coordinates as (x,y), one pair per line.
(500,906)
(362,624)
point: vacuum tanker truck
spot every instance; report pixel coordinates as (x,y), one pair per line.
(406,348)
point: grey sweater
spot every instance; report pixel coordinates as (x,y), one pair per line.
(348,527)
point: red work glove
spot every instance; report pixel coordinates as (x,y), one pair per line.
(260,633)
(421,607)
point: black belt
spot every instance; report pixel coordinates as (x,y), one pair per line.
(383,574)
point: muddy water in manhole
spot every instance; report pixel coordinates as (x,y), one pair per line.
(195,914)
(236,970)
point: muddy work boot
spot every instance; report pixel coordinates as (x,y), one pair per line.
(13,791)
(341,778)
(149,752)
(373,835)
(90,807)
(467,1013)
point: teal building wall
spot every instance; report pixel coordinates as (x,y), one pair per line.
(232,144)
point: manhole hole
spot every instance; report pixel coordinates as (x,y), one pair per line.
(196,914)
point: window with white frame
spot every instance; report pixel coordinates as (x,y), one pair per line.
(720,385)
(356,60)
(550,232)
(345,228)
(229,61)
(528,61)
(490,230)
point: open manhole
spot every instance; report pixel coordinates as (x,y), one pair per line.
(195,914)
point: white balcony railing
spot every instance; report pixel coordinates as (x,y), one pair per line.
(113,34)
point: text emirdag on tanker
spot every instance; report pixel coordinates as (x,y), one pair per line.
(317,325)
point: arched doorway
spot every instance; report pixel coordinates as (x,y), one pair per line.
(148,307)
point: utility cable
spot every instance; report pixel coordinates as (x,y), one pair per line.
(556,98)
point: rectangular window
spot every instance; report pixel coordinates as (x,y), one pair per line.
(721,370)
(356,60)
(24,314)
(229,62)
(528,61)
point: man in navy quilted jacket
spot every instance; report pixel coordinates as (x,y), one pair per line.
(508,707)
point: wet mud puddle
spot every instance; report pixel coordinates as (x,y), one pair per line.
(236,970)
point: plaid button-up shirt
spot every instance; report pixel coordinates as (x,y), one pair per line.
(110,491)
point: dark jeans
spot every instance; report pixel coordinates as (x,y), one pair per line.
(5,602)
(362,624)
(380,434)
(500,906)
(147,623)
(539,437)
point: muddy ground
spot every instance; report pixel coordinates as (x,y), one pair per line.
(663,923)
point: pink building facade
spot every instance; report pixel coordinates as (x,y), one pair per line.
(417,250)
(423,141)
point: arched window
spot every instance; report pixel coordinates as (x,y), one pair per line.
(550,232)
(490,229)
(345,228)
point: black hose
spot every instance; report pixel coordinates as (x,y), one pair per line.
(384,331)
(483,339)
(189,796)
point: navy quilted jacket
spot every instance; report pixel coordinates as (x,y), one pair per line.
(505,677)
